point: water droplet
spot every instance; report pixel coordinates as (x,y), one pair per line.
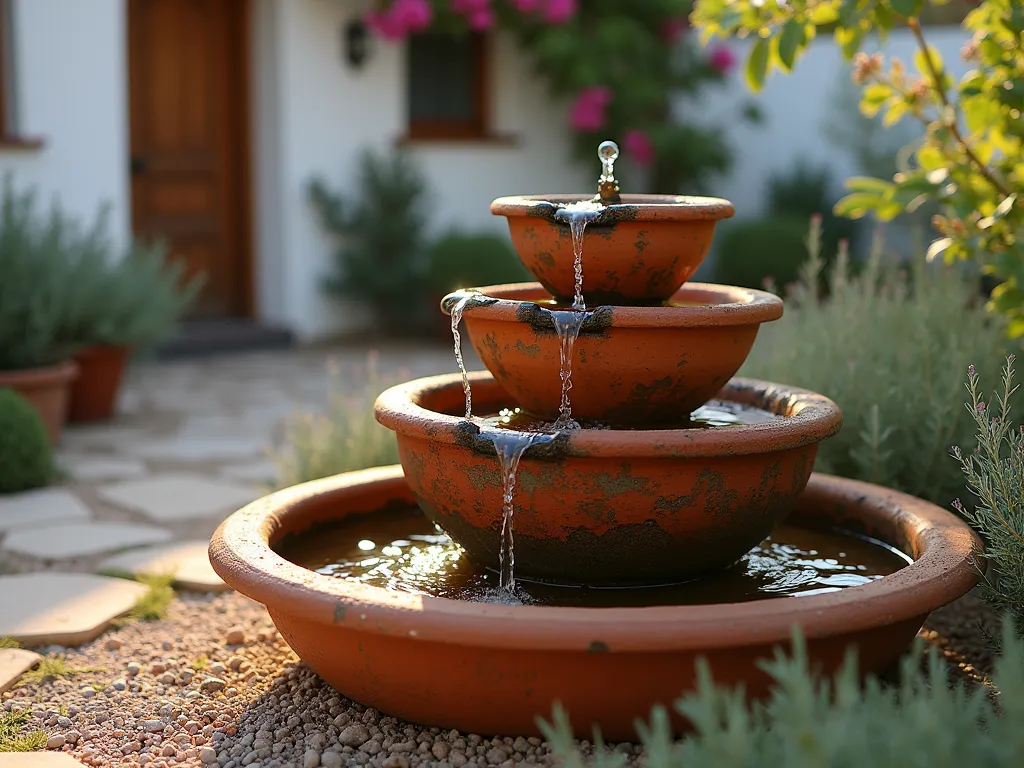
(366,545)
(608,151)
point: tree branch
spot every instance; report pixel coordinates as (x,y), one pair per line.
(954,128)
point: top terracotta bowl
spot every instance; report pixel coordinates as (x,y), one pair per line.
(636,252)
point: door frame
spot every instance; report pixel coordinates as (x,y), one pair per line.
(241,73)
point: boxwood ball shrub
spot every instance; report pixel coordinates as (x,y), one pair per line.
(26,458)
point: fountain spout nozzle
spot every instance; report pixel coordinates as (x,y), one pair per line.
(608,185)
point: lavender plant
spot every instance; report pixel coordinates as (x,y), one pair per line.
(995,475)
(811,722)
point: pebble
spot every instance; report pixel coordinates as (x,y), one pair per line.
(395,761)
(217,669)
(354,736)
(311,759)
(235,636)
(331,760)
(212,685)
(56,741)
(440,750)
(153,726)
(113,644)
(208,755)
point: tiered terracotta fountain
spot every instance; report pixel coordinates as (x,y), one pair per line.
(604,507)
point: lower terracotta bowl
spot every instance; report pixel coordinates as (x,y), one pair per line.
(637,252)
(493,669)
(609,507)
(631,366)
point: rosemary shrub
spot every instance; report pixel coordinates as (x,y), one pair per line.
(810,722)
(887,344)
(995,475)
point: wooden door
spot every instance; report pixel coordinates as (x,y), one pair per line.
(188,89)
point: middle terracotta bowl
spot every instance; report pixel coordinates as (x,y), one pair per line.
(609,507)
(632,366)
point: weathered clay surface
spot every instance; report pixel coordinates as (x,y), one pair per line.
(603,507)
(631,366)
(637,252)
(47,389)
(495,668)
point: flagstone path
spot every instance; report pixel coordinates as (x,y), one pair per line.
(191,443)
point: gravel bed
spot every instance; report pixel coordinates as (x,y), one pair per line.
(213,684)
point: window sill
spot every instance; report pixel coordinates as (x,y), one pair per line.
(486,140)
(21,142)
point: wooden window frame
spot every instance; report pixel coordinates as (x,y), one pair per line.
(478,127)
(9,136)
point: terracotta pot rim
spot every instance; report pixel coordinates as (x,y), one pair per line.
(61,372)
(810,418)
(944,548)
(722,305)
(632,208)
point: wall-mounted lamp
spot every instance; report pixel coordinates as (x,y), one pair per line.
(356,38)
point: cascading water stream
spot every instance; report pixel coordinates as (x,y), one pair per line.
(567,325)
(510,447)
(457,310)
(579,215)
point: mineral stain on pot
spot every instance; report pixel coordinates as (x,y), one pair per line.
(401,551)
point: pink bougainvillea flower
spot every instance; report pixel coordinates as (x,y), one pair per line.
(588,110)
(412,15)
(468,7)
(527,6)
(673,29)
(639,146)
(559,11)
(385,25)
(722,59)
(481,19)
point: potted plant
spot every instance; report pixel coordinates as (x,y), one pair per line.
(35,359)
(120,305)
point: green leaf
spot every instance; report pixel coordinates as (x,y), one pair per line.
(790,42)
(824,13)
(921,62)
(849,40)
(907,8)
(930,158)
(873,97)
(757,64)
(938,247)
(848,13)
(869,184)
(858,204)
(897,109)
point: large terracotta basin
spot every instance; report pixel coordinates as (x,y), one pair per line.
(631,366)
(609,507)
(493,669)
(637,252)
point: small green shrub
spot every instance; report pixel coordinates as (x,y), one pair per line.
(995,475)
(805,191)
(810,722)
(26,457)
(381,258)
(751,253)
(459,260)
(887,345)
(34,289)
(345,438)
(13,737)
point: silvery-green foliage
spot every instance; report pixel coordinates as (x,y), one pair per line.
(889,345)
(813,722)
(995,476)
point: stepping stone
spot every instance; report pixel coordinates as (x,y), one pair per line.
(41,507)
(101,467)
(253,472)
(189,561)
(38,760)
(62,608)
(14,662)
(199,447)
(172,497)
(62,540)
(83,438)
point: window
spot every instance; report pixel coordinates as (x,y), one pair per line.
(9,134)
(447,80)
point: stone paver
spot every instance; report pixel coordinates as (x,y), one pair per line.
(38,760)
(188,446)
(61,540)
(41,507)
(189,561)
(97,467)
(172,497)
(14,662)
(62,608)
(252,472)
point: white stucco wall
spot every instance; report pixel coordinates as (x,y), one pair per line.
(317,114)
(70,82)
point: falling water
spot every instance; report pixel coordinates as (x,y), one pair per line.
(579,215)
(510,447)
(457,311)
(567,325)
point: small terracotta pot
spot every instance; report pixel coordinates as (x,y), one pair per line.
(47,389)
(493,669)
(632,366)
(94,392)
(610,507)
(636,252)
